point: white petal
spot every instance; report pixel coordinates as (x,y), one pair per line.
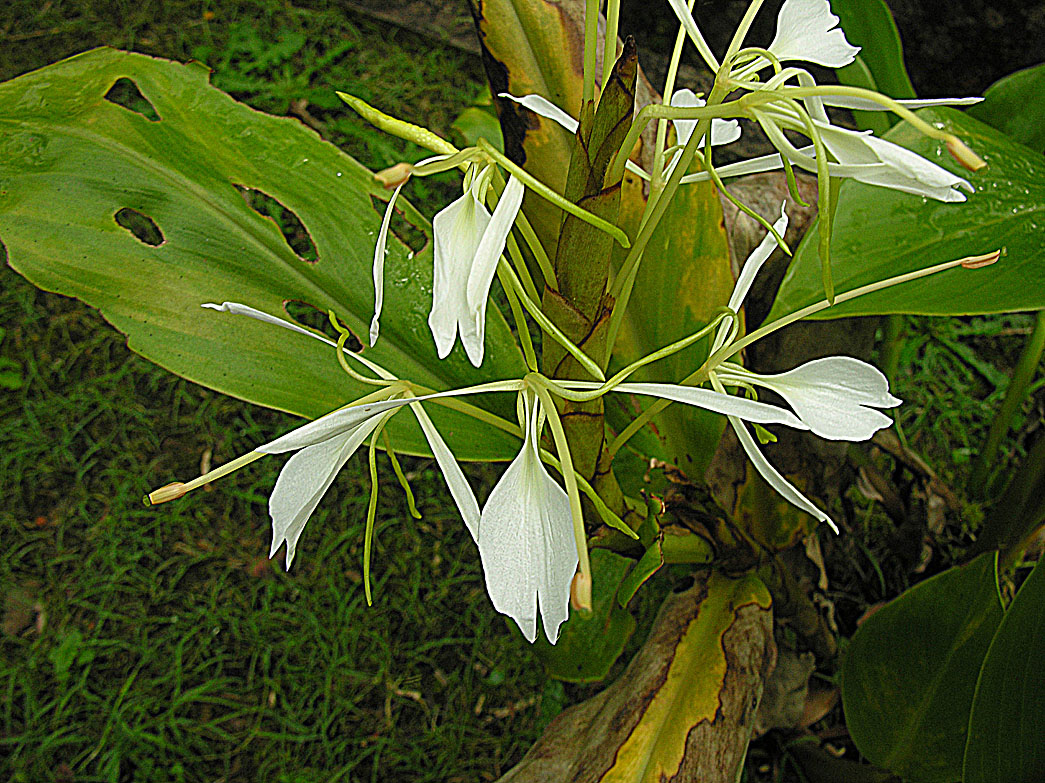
(773,477)
(455,480)
(722,131)
(749,410)
(756,259)
(304,480)
(241,309)
(751,166)
(747,274)
(836,396)
(457,230)
(526,543)
(806,30)
(544,108)
(863,104)
(332,425)
(379,263)
(487,255)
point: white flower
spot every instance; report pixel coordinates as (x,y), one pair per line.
(863,157)
(468,245)
(807,30)
(837,397)
(324,445)
(526,538)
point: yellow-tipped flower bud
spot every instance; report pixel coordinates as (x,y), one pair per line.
(580,592)
(171,491)
(961,153)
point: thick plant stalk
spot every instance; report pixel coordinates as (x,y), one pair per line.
(684,708)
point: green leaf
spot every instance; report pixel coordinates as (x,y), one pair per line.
(1008,713)
(589,644)
(879,65)
(1015,105)
(910,671)
(879,233)
(75,169)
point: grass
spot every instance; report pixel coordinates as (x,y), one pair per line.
(161,644)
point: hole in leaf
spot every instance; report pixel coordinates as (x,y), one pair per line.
(125,93)
(289,224)
(312,317)
(407,233)
(142,226)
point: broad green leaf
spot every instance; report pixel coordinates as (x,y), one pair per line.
(589,645)
(911,668)
(1007,727)
(72,162)
(1015,105)
(880,233)
(879,65)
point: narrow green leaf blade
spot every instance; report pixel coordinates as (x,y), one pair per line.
(909,674)
(880,233)
(1007,727)
(71,160)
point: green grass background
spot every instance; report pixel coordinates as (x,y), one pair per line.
(161,644)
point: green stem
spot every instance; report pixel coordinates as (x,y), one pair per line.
(1026,369)
(520,320)
(892,342)
(591,43)
(568,476)
(609,43)
(550,328)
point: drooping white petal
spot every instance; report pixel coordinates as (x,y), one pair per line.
(379,263)
(545,108)
(727,404)
(772,475)
(484,265)
(455,480)
(806,30)
(863,104)
(241,309)
(526,541)
(304,480)
(457,230)
(352,416)
(836,396)
(756,259)
(752,264)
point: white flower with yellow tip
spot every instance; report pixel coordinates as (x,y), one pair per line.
(468,246)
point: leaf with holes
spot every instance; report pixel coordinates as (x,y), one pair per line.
(133,184)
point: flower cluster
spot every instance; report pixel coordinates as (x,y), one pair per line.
(530,532)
